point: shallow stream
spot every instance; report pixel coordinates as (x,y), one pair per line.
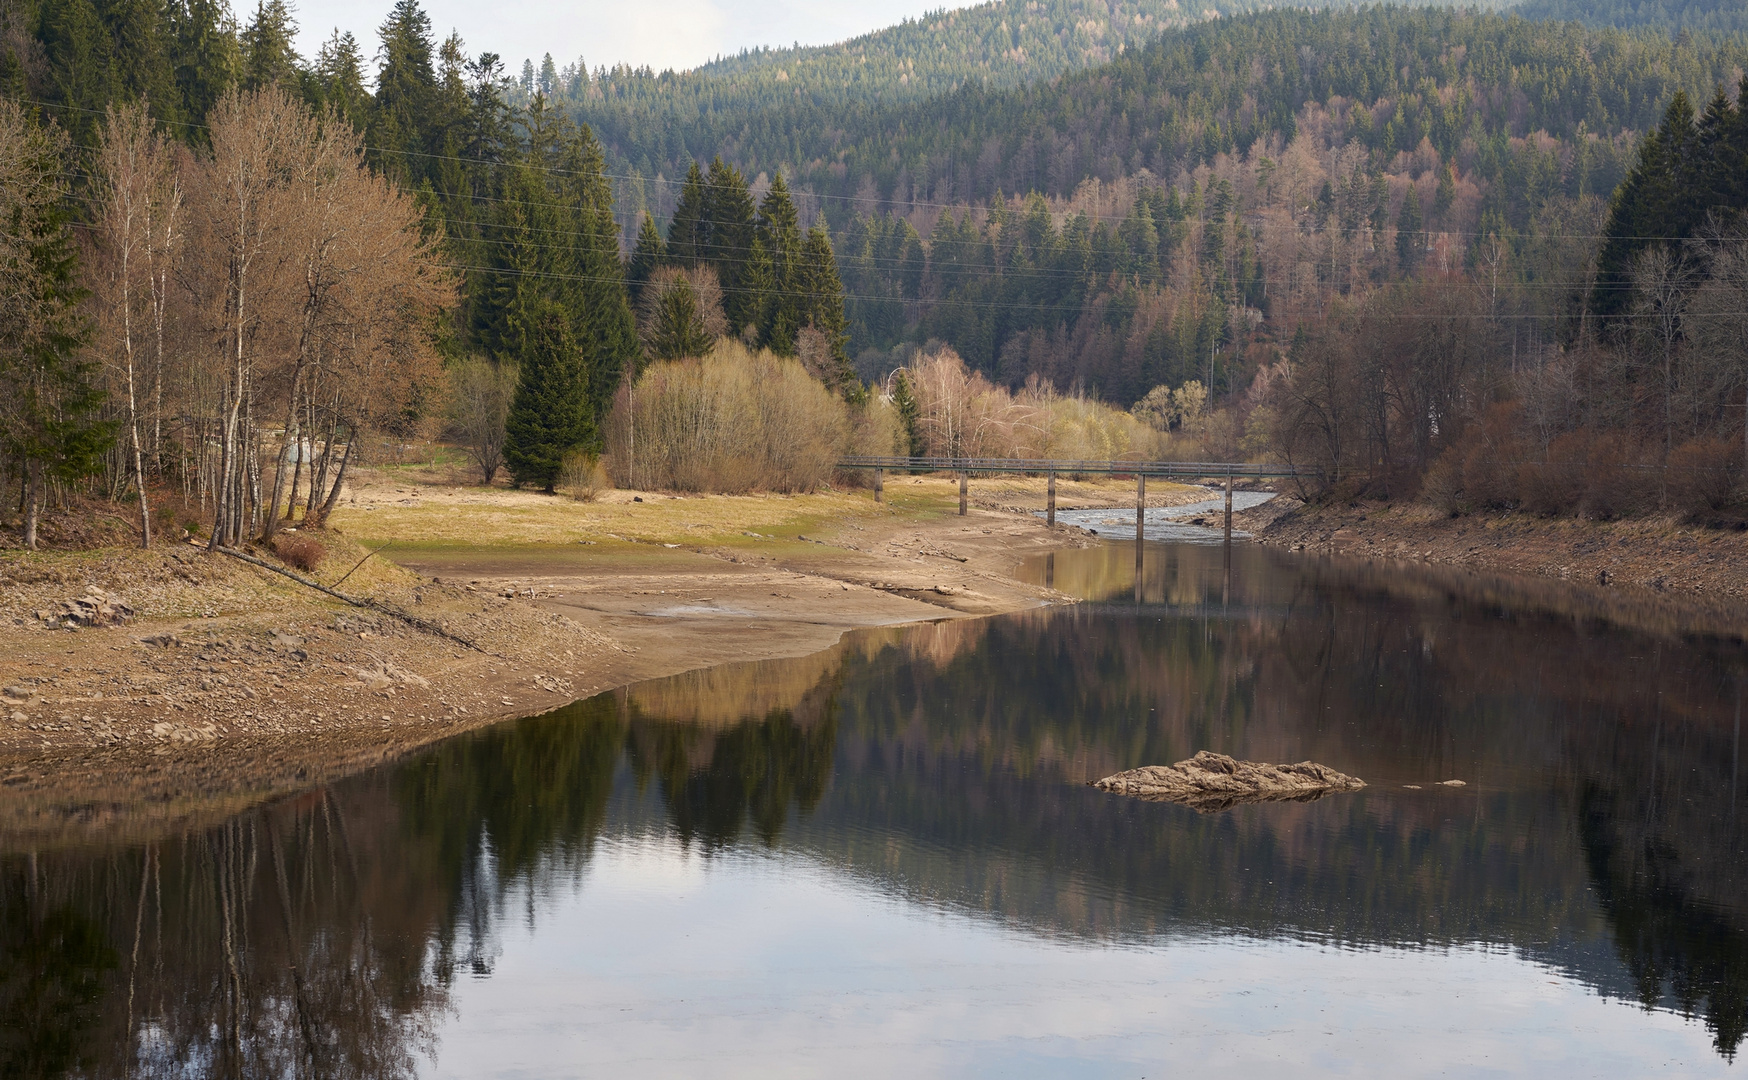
(883,860)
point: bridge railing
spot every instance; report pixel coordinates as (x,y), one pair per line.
(1212,469)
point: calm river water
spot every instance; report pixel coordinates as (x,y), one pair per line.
(883,860)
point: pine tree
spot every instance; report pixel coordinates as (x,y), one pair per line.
(550,415)
(1661,200)
(758,281)
(141,49)
(728,237)
(268,56)
(1409,242)
(909,413)
(78,53)
(340,76)
(824,293)
(547,80)
(1446,195)
(784,304)
(649,255)
(688,232)
(678,331)
(605,323)
(204,54)
(49,423)
(406,82)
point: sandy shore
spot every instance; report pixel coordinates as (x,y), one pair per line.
(231,684)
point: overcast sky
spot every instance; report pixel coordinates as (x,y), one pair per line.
(660,33)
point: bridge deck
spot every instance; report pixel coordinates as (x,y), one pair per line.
(1215,469)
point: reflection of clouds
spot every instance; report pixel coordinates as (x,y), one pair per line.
(768,966)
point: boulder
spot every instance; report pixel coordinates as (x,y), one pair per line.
(1212,782)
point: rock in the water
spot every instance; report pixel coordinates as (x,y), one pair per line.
(1212,782)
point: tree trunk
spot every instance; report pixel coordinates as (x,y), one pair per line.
(32,500)
(339,477)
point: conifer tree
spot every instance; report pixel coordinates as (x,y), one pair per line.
(204,54)
(550,415)
(339,76)
(48,394)
(141,49)
(1409,243)
(406,81)
(909,413)
(688,232)
(677,329)
(649,255)
(784,303)
(1446,195)
(824,295)
(605,323)
(78,53)
(757,283)
(728,237)
(268,56)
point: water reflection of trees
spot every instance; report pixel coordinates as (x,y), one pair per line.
(1537,709)
(320,936)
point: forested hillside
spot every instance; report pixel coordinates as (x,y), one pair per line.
(1268,165)
(654,123)
(1671,15)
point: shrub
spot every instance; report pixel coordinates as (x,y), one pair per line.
(1702,474)
(1556,486)
(1619,480)
(583,475)
(734,421)
(299,550)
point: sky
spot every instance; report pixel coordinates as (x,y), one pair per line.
(660,33)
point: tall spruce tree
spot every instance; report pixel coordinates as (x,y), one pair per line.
(1409,225)
(823,292)
(79,57)
(785,304)
(605,323)
(689,232)
(651,252)
(728,238)
(268,56)
(50,423)
(554,247)
(339,75)
(139,37)
(406,82)
(550,415)
(1689,176)
(204,54)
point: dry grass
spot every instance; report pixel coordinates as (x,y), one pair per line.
(386,507)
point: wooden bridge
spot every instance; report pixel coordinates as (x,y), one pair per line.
(1140,470)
